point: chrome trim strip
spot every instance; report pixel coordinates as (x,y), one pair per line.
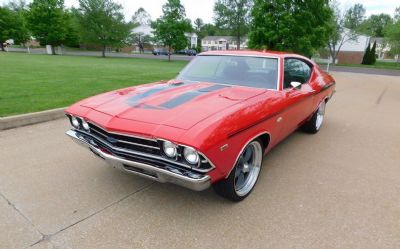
(121,134)
(147,155)
(157,174)
(126,142)
(248,141)
(142,145)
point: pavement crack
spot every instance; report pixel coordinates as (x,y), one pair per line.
(100,210)
(20,213)
(379,100)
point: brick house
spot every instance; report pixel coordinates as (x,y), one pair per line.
(352,52)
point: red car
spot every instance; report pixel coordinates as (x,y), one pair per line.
(212,125)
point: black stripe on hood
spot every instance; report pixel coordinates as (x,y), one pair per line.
(133,101)
(186,97)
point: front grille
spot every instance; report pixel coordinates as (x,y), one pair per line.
(126,142)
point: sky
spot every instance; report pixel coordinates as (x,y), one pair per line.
(204,8)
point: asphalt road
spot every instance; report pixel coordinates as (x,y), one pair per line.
(337,189)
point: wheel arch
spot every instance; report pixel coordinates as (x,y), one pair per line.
(265,138)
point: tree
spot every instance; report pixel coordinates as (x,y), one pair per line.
(198,29)
(286,25)
(72,24)
(101,22)
(392,34)
(210,29)
(12,26)
(141,17)
(373,54)
(48,22)
(20,22)
(233,15)
(354,16)
(375,25)
(367,56)
(141,40)
(198,25)
(17,5)
(397,14)
(170,28)
(339,34)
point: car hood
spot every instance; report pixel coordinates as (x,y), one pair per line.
(176,104)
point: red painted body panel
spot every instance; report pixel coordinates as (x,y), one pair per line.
(211,119)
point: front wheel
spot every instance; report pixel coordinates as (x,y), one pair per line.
(316,121)
(244,175)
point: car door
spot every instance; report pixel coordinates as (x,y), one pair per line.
(298,101)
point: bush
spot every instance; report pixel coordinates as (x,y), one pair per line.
(369,55)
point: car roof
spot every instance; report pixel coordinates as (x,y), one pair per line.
(265,53)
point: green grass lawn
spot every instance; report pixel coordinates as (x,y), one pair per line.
(30,83)
(378,64)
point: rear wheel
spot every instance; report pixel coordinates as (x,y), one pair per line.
(244,175)
(314,124)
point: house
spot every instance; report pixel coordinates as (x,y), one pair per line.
(382,48)
(222,43)
(146,29)
(352,51)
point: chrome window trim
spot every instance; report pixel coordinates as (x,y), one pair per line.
(278,83)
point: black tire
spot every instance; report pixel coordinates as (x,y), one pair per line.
(313,125)
(227,187)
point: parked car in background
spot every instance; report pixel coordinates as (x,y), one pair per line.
(212,125)
(189,52)
(160,52)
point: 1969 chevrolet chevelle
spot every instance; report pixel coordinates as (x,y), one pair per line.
(212,125)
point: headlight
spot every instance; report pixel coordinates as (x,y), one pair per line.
(75,122)
(85,125)
(191,155)
(170,149)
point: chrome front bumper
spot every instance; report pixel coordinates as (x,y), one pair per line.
(182,177)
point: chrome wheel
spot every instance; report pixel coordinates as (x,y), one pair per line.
(320,115)
(248,168)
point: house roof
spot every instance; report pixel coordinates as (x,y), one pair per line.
(378,40)
(216,38)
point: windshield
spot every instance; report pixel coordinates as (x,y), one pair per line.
(260,72)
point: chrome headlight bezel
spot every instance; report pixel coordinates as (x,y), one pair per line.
(170,149)
(191,155)
(85,125)
(75,122)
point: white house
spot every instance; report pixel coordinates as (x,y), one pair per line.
(146,29)
(222,43)
(382,47)
(352,50)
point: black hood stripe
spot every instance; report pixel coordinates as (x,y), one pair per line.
(135,100)
(186,97)
(183,98)
(212,88)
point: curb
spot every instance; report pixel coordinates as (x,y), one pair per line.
(30,118)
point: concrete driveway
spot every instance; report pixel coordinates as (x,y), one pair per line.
(337,189)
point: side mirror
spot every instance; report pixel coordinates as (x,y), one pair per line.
(295,84)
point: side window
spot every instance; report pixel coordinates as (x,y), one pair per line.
(296,70)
